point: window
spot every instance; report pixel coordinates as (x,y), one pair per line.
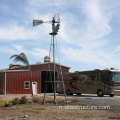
(115,76)
(27,85)
(105,78)
(102,78)
(82,79)
(92,78)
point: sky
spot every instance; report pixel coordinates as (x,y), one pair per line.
(88,38)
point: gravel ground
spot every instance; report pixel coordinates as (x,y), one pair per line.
(114,102)
(52,112)
(93,100)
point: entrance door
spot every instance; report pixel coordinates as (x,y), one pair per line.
(34,86)
(47,86)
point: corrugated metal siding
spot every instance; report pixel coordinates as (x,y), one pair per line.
(15,80)
(2,83)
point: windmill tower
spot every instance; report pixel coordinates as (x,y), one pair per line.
(55,27)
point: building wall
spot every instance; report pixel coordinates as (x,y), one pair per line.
(2,83)
(15,80)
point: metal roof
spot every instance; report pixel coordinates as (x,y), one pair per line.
(11,69)
(100,70)
(50,63)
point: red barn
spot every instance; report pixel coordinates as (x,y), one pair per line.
(17,80)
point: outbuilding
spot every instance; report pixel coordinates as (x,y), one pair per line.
(17,80)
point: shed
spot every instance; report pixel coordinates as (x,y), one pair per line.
(17,80)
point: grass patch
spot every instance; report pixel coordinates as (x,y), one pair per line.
(2,102)
(12,119)
(8,109)
(86,116)
(27,111)
(11,108)
(36,112)
(38,108)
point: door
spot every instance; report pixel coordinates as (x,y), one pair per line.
(82,78)
(34,86)
(47,81)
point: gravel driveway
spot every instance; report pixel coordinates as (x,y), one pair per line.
(52,112)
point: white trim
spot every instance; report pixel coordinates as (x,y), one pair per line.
(16,70)
(36,86)
(24,84)
(5,84)
(116,90)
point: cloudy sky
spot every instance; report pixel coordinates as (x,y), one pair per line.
(89,35)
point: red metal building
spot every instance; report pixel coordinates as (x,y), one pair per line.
(17,80)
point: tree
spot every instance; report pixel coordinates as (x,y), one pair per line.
(23,58)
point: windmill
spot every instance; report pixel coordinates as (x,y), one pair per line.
(55,23)
(55,27)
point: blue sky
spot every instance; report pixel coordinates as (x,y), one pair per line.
(89,35)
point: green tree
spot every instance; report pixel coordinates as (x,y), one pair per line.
(23,58)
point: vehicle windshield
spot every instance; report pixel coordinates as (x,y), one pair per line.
(115,76)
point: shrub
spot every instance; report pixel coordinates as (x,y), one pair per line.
(30,101)
(15,101)
(36,99)
(7,104)
(23,100)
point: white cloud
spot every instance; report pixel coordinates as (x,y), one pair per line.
(63,34)
(7,50)
(89,37)
(98,23)
(85,25)
(90,45)
(98,57)
(39,53)
(17,49)
(4,8)
(15,32)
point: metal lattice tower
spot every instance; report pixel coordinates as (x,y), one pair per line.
(55,27)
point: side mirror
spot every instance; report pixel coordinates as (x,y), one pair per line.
(112,81)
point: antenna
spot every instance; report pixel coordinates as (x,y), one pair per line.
(55,27)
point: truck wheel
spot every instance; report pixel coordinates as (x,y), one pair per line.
(69,92)
(100,93)
(111,95)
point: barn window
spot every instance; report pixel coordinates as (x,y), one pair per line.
(27,85)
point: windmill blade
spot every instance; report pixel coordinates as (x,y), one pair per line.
(58,21)
(57,18)
(56,15)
